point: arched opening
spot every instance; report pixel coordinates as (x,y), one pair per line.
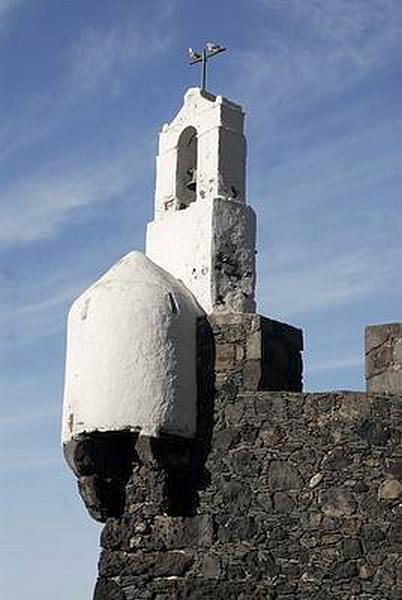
(186,174)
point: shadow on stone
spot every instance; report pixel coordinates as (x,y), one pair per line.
(206,354)
(108,590)
(103,463)
(171,470)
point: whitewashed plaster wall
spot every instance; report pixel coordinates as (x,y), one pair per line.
(131,354)
(221,161)
(210,248)
(210,245)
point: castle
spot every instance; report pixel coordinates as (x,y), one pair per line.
(184,417)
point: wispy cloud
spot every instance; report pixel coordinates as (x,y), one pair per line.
(340,164)
(336,364)
(316,278)
(38,307)
(5,8)
(29,462)
(34,207)
(98,55)
(95,58)
(332,44)
(326,215)
(27,321)
(354,28)
(30,417)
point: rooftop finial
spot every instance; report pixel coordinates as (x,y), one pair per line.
(211,49)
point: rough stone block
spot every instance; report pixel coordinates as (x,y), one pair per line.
(383,356)
(177,532)
(252,371)
(225,356)
(254,346)
(108,590)
(254,353)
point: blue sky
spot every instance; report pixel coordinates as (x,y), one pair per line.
(84,88)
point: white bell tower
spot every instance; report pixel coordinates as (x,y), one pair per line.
(203,231)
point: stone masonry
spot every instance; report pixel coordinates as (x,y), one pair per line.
(300,498)
(255,353)
(282,495)
(384,358)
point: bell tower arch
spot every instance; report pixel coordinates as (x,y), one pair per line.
(186,169)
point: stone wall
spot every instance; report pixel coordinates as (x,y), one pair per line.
(253,352)
(282,495)
(300,497)
(383,354)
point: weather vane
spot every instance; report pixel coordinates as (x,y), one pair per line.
(208,52)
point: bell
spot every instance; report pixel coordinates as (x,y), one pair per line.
(192,184)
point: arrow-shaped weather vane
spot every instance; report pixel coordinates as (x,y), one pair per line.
(208,52)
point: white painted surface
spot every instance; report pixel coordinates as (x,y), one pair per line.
(182,245)
(221,169)
(210,245)
(190,244)
(131,354)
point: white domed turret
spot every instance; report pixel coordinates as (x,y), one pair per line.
(131,354)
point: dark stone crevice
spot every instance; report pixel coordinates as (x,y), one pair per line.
(103,463)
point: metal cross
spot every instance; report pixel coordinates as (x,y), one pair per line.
(208,52)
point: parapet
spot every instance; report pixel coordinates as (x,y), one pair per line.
(383,354)
(254,353)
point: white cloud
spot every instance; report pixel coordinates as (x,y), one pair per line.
(333,43)
(26,321)
(98,54)
(336,364)
(38,307)
(30,417)
(98,57)
(5,7)
(28,462)
(317,277)
(328,215)
(351,25)
(34,207)
(337,169)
